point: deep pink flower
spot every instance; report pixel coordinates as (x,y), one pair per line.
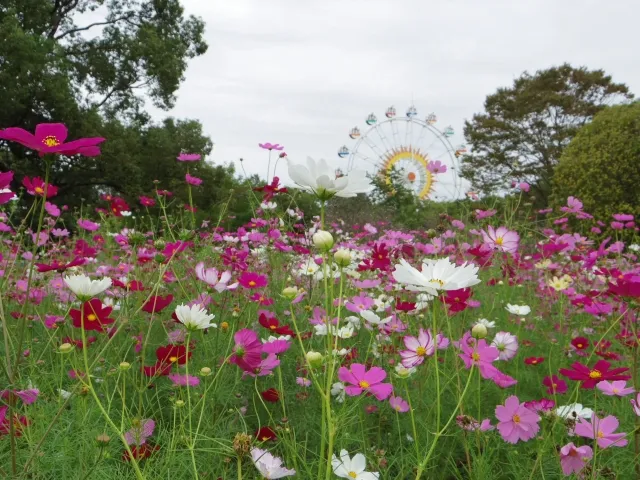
(189,157)
(5,182)
(27,396)
(247,350)
(503,380)
(616,388)
(264,367)
(555,385)
(88,225)
(252,280)
(191,180)
(590,377)
(623,217)
(361,380)
(37,186)
(542,405)
(573,459)
(601,430)
(276,346)
(524,186)
(146,201)
(50,137)
(501,239)
(52,209)
(516,422)
(398,404)
(481,214)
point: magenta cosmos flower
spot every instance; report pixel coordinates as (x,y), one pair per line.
(573,459)
(501,239)
(37,187)
(189,157)
(191,180)
(601,430)
(271,146)
(362,380)
(88,225)
(50,137)
(184,380)
(555,385)
(5,192)
(517,422)
(247,350)
(252,280)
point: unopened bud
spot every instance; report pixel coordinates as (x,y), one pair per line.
(65,348)
(124,366)
(291,292)
(323,240)
(103,439)
(179,403)
(342,257)
(205,371)
(314,358)
(479,331)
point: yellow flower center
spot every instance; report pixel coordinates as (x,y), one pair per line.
(252,283)
(364,384)
(600,434)
(579,345)
(51,141)
(173,359)
(39,190)
(439,282)
(421,351)
(499,241)
(91,317)
(353,474)
(475,356)
(595,374)
(616,390)
(272,327)
(554,385)
(516,418)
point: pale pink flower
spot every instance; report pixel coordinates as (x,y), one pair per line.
(573,459)
(398,404)
(601,430)
(501,239)
(617,387)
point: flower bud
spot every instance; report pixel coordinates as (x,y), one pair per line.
(323,240)
(224,326)
(479,331)
(124,366)
(342,257)
(291,292)
(205,371)
(103,439)
(179,403)
(65,348)
(314,359)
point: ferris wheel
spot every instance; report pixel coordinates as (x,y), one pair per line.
(419,152)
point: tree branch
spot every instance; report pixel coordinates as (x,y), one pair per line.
(90,26)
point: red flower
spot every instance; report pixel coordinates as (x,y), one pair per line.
(157,303)
(82,249)
(252,280)
(404,306)
(457,299)
(626,286)
(270,395)
(94,315)
(59,266)
(140,452)
(173,354)
(555,385)
(590,377)
(118,205)
(270,190)
(50,137)
(380,257)
(19,422)
(37,186)
(580,343)
(533,360)
(78,343)
(272,324)
(146,201)
(265,433)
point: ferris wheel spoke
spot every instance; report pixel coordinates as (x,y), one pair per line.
(383,138)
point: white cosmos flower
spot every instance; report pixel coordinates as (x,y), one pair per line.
(352,468)
(85,288)
(194,317)
(568,411)
(320,179)
(485,322)
(374,319)
(268,205)
(634,247)
(269,466)
(436,275)
(337,390)
(518,309)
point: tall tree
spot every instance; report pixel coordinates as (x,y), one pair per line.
(524,128)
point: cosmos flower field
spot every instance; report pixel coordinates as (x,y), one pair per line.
(501,346)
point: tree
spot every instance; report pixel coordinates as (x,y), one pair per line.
(601,165)
(525,128)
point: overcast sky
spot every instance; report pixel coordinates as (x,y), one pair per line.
(303,72)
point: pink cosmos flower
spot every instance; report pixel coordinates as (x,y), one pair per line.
(49,139)
(636,405)
(88,225)
(501,239)
(601,430)
(270,146)
(265,367)
(417,348)
(184,380)
(27,396)
(303,382)
(503,380)
(481,214)
(361,380)
(398,404)
(555,385)
(211,276)
(139,433)
(573,205)
(191,180)
(480,354)
(189,157)
(457,224)
(516,422)
(146,201)
(247,350)
(524,186)
(618,388)
(573,459)
(37,186)
(5,192)
(359,303)
(623,217)
(252,280)
(436,167)
(276,346)
(52,209)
